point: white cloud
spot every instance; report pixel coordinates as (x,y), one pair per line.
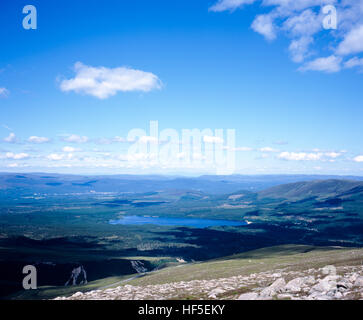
(358,159)
(69,149)
(211,139)
(327,64)
(36,139)
(107,141)
(56,157)
(268,149)
(299,48)
(353,42)
(263,24)
(296,5)
(354,62)
(309,156)
(102,82)
(74,138)
(16,156)
(306,23)
(11,138)
(299,156)
(332,154)
(223,5)
(12,165)
(4,92)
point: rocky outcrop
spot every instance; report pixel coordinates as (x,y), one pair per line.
(78,277)
(138,266)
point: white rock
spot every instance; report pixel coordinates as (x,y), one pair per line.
(77,295)
(276,287)
(294,285)
(213,294)
(309,280)
(353,277)
(248,296)
(327,284)
(359,282)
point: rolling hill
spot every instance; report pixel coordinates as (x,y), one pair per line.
(316,188)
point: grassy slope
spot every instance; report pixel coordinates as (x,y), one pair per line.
(44,293)
(293,257)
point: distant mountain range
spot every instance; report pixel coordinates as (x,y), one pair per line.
(57,183)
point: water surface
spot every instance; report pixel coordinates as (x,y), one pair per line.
(185,222)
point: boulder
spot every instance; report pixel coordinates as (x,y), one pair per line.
(248,296)
(214,293)
(77,295)
(327,284)
(294,285)
(275,288)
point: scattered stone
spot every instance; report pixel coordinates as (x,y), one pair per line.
(311,284)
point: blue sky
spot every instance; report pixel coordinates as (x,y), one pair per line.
(186,64)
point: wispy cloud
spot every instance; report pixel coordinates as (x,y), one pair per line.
(269,149)
(102,82)
(223,5)
(281,142)
(6,127)
(36,139)
(353,41)
(358,159)
(308,156)
(74,138)
(70,149)
(11,138)
(329,64)
(16,156)
(354,62)
(58,156)
(4,92)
